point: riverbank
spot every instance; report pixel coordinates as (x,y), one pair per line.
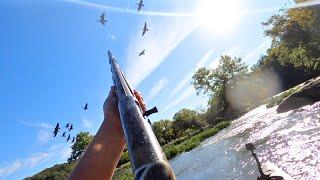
(177,147)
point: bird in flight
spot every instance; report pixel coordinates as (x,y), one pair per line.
(142,52)
(145,29)
(68,138)
(140,5)
(85,106)
(56,130)
(67,125)
(71,127)
(102,19)
(64,134)
(73,139)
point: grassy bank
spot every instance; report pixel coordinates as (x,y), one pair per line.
(276,100)
(175,148)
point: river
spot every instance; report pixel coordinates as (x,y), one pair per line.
(290,140)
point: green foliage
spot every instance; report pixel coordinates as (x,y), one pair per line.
(215,84)
(186,119)
(164,131)
(194,141)
(295,51)
(57,172)
(83,139)
(124,158)
(123,174)
(276,100)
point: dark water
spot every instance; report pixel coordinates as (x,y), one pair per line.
(290,140)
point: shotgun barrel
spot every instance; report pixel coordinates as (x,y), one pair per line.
(147,158)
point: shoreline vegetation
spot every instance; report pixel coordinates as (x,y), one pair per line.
(232,89)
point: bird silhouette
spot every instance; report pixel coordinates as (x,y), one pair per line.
(71,127)
(73,139)
(142,52)
(64,134)
(56,130)
(85,107)
(102,19)
(144,29)
(140,5)
(68,138)
(67,125)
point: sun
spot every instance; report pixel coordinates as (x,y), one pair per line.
(220,16)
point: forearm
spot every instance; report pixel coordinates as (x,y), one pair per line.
(102,156)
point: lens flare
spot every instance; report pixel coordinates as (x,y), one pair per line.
(218,16)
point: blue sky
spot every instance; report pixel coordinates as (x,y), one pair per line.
(53,60)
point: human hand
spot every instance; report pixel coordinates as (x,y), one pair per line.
(111,111)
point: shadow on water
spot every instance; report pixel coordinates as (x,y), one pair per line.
(290,140)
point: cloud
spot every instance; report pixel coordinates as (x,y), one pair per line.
(29,162)
(255,54)
(86,123)
(36,124)
(43,136)
(44,133)
(164,36)
(65,152)
(169,14)
(157,87)
(186,79)
(9,169)
(35,159)
(129,11)
(186,93)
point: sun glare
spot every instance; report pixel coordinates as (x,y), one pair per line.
(220,16)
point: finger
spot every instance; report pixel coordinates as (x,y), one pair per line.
(112,93)
(140,100)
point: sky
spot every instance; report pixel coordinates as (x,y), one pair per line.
(53,59)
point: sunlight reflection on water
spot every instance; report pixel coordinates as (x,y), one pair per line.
(290,140)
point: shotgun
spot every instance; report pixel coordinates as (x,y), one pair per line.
(147,158)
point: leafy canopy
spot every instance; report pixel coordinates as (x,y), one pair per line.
(83,139)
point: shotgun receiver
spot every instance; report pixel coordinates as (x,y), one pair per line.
(147,158)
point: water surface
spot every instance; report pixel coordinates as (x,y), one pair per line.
(290,140)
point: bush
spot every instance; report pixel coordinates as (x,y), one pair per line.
(124,158)
(173,149)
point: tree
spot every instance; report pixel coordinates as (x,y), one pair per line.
(216,82)
(295,51)
(163,131)
(83,139)
(185,119)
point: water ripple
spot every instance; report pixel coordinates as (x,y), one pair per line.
(290,140)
